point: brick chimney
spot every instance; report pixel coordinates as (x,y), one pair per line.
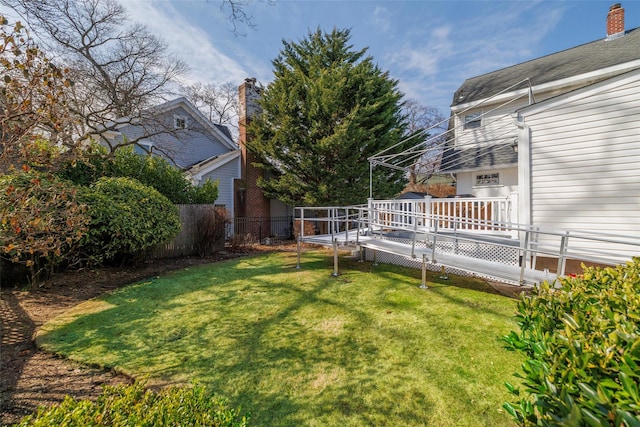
(615,22)
(250,201)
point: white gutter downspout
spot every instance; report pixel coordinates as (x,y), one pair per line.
(524,170)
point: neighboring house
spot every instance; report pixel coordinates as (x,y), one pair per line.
(563,131)
(180,133)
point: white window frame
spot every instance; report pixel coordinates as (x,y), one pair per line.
(471,121)
(487,179)
(180,122)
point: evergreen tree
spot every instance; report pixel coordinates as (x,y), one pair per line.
(328,109)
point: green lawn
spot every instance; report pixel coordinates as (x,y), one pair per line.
(300,347)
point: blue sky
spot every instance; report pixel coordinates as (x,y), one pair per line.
(431,47)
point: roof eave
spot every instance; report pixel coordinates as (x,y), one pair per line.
(481,168)
(556,84)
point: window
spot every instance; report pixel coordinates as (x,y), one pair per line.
(488,179)
(180,122)
(473,120)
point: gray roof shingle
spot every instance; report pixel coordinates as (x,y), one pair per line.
(567,63)
(476,158)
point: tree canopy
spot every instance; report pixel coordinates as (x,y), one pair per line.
(328,109)
(119,68)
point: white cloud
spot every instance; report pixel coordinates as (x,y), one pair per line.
(426,58)
(380,19)
(191,43)
(433,66)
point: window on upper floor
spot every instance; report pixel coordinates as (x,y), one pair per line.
(473,120)
(487,179)
(179,122)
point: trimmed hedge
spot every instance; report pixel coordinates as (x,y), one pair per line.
(582,343)
(127,218)
(152,171)
(132,405)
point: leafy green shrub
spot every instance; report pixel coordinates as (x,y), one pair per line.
(152,171)
(132,405)
(582,341)
(41,221)
(126,219)
(205,194)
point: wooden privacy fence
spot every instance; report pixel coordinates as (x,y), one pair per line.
(195,237)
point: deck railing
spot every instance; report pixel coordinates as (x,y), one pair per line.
(477,221)
(486,214)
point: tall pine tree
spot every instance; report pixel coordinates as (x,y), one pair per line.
(328,109)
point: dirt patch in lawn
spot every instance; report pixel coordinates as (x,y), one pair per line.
(29,377)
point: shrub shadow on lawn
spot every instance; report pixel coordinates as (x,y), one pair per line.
(292,346)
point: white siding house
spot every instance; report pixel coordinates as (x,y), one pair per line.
(180,133)
(223,169)
(561,131)
(583,162)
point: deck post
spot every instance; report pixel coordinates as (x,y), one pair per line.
(346,225)
(335,258)
(434,242)
(524,256)
(534,240)
(455,235)
(359,225)
(424,272)
(427,212)
(370,211)
(415,234)
(375,263)
(299,244)
(562,255)
(332,219)
(512,214)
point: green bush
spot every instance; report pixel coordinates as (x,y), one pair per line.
(132,405)
(582,343)
(41,221)
(152,171)
(126,219)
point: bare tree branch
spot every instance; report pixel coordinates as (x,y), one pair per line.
(120,70)
(219,103)
(420,118)
(237,15)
